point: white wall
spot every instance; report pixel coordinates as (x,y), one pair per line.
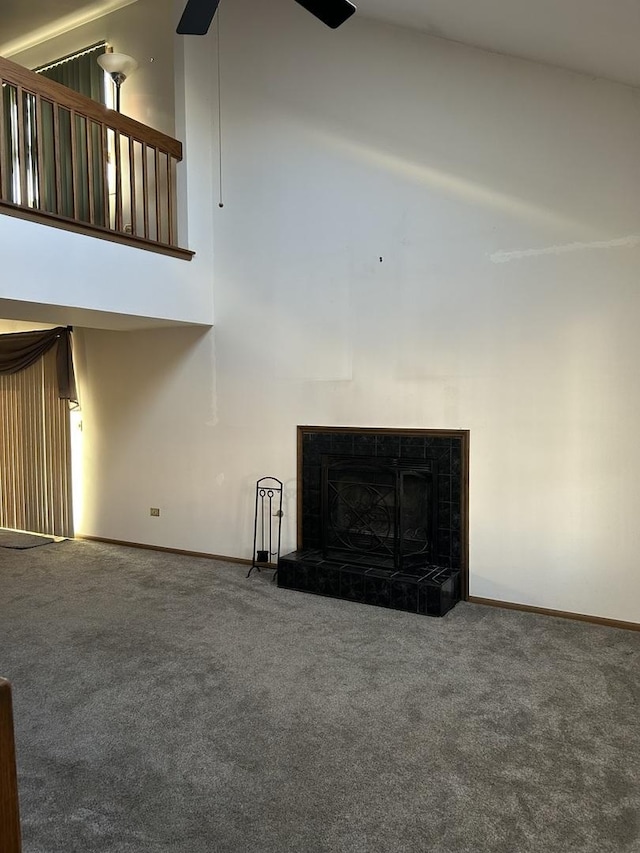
(56,276)
(504,200)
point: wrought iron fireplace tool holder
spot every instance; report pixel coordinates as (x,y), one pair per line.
(267,525)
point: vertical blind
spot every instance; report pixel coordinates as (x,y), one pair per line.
(79,72)
(35,451)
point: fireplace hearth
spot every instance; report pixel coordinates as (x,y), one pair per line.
(381,517)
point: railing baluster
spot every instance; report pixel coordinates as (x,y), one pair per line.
(170,199)
(3,145)
(74,165)
(156,166)
(38,136)
(145,188)
(31,149)
(118,183)
(22,147)
(56,157)
(9,807)
(89,146)
(132,187)
(104,149)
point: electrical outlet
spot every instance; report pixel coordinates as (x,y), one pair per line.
(154,511)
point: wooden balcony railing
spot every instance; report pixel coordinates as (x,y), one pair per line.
(72,162)
(9,811)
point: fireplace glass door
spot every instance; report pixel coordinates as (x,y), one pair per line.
(378,512)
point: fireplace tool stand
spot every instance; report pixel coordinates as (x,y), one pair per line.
(267,525)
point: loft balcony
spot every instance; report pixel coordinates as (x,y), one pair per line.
(70,162)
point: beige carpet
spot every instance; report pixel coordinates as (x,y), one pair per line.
(166,704)
(19,540)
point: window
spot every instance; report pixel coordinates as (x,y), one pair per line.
(80,72)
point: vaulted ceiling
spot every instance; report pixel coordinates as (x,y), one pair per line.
(596,37)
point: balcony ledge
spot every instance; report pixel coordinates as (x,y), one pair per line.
(67,224)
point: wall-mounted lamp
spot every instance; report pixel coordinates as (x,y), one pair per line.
(118,66)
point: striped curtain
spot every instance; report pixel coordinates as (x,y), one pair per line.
(35,451)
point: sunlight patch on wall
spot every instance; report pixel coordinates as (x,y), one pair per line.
(517,254)
(446,182)
(77,473)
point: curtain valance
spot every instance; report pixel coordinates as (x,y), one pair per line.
(20,350)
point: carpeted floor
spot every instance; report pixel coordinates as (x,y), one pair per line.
(166,704)
(21,541)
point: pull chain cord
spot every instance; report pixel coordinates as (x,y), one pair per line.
(220,202)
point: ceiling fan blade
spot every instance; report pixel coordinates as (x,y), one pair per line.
(333,13)
(197,16)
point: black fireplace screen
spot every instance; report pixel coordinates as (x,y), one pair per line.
(382,512)
(382,521)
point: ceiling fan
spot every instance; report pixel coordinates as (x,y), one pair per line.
(198,14)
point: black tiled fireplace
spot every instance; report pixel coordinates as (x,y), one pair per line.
(381,517)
